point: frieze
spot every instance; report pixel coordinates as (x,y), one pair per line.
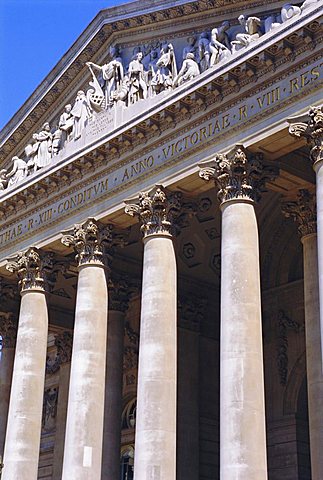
(108,184)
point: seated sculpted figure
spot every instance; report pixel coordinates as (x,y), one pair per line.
(251,25)
(218,50)
(138,86)
(167,70)
(189,70)
(18,172)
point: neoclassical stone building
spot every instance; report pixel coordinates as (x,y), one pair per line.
(161,250)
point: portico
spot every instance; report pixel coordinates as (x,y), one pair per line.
(168,326)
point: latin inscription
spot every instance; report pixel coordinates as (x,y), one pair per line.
(161,155)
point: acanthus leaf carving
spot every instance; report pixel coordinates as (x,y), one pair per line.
(32,268)
(302,211)
(310,127)
(238,174)
(157,211)
(89,240)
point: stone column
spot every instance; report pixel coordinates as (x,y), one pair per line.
(63,342)
(239,177)
(84,426)
(114,380)
(26,399)
(303,211)
(8,332)
(310,126)
(155,445)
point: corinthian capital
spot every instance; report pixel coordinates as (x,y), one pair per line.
(32,268)
(302,211)
(310,126)
(156,210)
(238,175)
(8,330)
(89,240)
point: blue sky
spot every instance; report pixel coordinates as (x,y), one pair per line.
(34,35)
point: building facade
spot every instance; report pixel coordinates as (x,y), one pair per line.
(161,250)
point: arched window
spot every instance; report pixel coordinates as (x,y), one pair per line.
(126,464)
(129,414)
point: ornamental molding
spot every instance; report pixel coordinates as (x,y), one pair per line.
(101,30)
(8,330)
(89,241)
(92,179)
(284,325)
(238,174)
(157,211)
(63,344)
(303,212)
(310,126)
(32,268)
(118,288)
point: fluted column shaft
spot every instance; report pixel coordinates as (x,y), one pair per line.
(318,167)
(84,425)
(26,399)
(113,392)
(155,442)
(242,406)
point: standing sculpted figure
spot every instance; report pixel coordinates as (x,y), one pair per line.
(65,124)
(204,51)
(190,47)
(112,75)
(167,70)
(251,25)
(18,172)
(189,70)
(218,50)
(42,148)
(81,113)
(138,86)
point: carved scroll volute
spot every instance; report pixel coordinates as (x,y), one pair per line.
(310,126)
(90,241)
(157,211)
(303,212)
(32,268)
(238,174)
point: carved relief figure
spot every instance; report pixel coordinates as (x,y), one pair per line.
(121,95)
(42,148)
(18,172)
(204,51)
(112,75)
(167,69)
(218,50)
(289,11)
(138,86)
(251,25)
(65,124)
(81,112)
(3,179)
(189,70)
(190,47)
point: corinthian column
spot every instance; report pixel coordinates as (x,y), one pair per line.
(26,398)
(310,126)
(239,179)
(8,332)
(155,451)
(118,303)
(303,211)
(84,426)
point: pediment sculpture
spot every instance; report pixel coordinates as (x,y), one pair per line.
(152,70)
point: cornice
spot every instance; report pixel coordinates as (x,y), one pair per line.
(104,26)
